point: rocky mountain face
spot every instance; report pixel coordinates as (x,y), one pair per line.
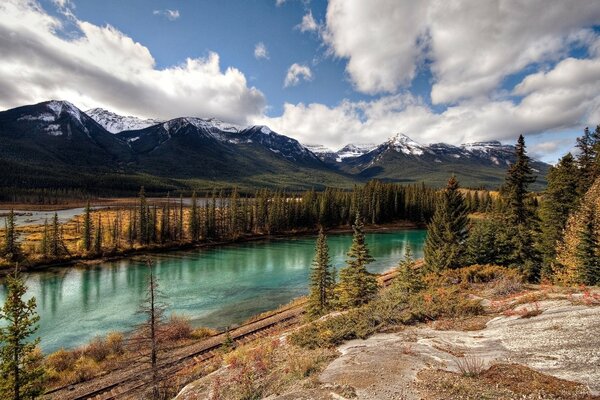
(53,144)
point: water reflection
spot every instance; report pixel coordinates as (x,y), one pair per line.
(215,287)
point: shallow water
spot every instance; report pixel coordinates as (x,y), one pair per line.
(215,287)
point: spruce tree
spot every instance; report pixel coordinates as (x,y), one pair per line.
(194,219)
(356,285)
(588,252)
(519,215)
(11,249)
(98,237)
(515,189)
(445,246)
(143,218)
(45,245)
(87,228)
(559,200)
(587,145)
(21,370)
(322,279)
(57,247)
(409,279)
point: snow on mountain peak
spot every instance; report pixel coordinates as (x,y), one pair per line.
(115,123)
(404,144)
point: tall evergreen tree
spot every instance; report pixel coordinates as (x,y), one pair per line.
(20,365)
(559,200)
(515,189)
(11,249)
(587,145)
(143,218)
(356,285)
(45,245)
(445,246)
(98,236)
(322,279)
(588,252)
(57,247)
(194,219)
(87,228)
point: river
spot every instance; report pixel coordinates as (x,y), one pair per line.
(215,287)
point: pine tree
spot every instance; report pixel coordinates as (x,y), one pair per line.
(98,237)
(57,247)
(587,145)
(87,228)
(445,246)
(356,285)
(560,199)
(588,252)
(21,369)
(322,279)
(515,189)
(143,218)
(409,279)
(11,249)
(45,245)
(154,311)
(194,219)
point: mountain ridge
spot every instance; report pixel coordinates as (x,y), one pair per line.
(54,141)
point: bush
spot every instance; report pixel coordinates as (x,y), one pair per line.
(203,333)
(176,328)
(116,343)
(98,349)
(61,360)
(85,369)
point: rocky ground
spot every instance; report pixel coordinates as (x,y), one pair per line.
(542,346)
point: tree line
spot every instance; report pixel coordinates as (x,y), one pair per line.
(551,237)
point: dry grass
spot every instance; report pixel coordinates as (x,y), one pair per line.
(470,366)
(499,382)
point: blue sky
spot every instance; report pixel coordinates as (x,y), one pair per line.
(359,72)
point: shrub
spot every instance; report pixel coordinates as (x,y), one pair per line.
(85,369)
(176,328)
(470,366)
(61,360)
(98,349)
(203,333)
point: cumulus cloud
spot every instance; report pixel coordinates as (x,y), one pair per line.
(470,47)
(104,67)
(296,73)
(171,15)
(562,98)
(260,51)
(308,23)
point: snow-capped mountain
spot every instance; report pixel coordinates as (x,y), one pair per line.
(353,150)
(54,144)
(115,123)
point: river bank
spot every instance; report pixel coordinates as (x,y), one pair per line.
(40,265)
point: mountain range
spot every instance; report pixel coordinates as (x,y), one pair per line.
(55,145)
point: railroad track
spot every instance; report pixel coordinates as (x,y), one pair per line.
(123,383)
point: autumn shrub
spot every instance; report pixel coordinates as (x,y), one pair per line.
(61,360)
(203,333)
(177,327)
(98,349)
(85,368)
(116,343)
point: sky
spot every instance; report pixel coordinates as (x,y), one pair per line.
(323,72)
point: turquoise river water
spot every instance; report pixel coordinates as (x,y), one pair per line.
(215,287)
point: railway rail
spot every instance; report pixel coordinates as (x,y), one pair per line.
(124,383)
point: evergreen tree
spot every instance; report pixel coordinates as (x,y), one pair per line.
(588,252)
(322,279)
(409,279)
(445,246)
(194,220)
(11,249)
(57,247)
(143,218)
(45,245)
(98,237)
(587,145)
(87,228)
(515,189)
(560,199)
(21,369)
(356,285)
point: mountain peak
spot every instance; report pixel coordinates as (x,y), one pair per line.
(115,123)
(402,143)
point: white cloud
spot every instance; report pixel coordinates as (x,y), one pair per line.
(564,98)
(260,51)
(471,46)
(104,67)
(279,3)
(171,15)
(308,23)
(297,72)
